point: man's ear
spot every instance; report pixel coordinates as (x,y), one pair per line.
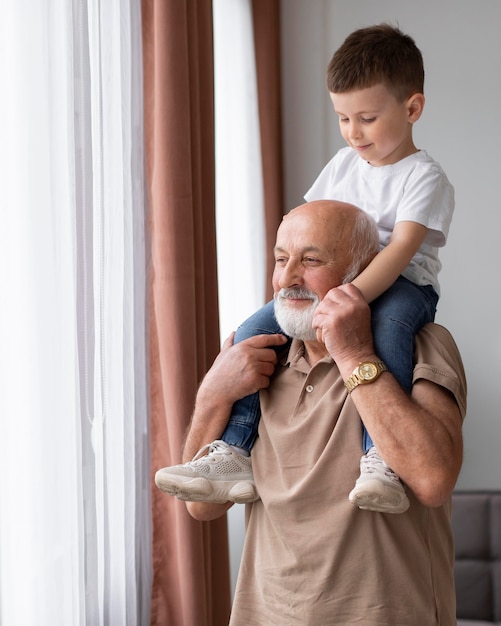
(415,106)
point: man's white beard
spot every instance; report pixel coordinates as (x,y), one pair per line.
(293,322)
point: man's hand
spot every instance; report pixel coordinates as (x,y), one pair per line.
(242,368)
(343,323)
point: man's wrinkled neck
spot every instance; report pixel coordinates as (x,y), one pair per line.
(314,351)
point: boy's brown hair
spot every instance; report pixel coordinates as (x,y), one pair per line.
(375,55)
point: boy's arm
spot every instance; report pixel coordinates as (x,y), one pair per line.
(387,266)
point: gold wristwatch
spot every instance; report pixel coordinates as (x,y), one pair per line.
(365,373)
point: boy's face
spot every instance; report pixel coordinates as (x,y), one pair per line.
(375,124)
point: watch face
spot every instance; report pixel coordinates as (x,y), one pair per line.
(367,371)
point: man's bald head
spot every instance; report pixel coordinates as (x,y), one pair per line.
(345,226)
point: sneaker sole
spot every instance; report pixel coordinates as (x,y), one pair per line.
(202,490)
(243,492)
(380,506)
(391,501)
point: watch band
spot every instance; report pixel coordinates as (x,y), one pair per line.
(365,373)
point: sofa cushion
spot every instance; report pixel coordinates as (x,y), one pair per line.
(474,622)
(476,523)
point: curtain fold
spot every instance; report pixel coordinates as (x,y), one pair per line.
(191,574)
(266,22)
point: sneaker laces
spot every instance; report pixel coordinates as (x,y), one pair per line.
(217,446)
(373,463)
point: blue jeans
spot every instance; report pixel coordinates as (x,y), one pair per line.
(397,315)
(242,427)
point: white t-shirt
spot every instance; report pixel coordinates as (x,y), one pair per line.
(415,189)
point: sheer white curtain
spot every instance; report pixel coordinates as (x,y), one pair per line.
(239,181)
(74,498)
(239,189)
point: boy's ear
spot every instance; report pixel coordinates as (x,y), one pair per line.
(415,106)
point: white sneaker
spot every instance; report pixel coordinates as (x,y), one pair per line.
(220,476)
(378,488)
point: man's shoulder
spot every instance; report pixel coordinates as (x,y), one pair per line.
(438,359)
(437,338)
(433,329)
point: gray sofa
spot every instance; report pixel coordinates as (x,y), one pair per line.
(476,523)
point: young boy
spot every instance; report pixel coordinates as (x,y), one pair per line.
(375,80)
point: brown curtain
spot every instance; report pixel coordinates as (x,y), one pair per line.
(190,559)
(266,19)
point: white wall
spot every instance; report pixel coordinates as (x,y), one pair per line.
(460,128)
(461,47)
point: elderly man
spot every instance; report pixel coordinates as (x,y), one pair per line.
(310,556)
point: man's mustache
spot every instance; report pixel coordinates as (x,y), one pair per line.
(299,293)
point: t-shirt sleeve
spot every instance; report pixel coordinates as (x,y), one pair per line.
(321,188)
(439,361)
(428,199)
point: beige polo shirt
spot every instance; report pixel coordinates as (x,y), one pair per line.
(311,558)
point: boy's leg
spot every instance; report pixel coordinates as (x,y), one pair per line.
(397,316)
(225,472)
(241,430)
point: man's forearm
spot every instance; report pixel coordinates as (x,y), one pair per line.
(419,436)
(209,420)
(210,416)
